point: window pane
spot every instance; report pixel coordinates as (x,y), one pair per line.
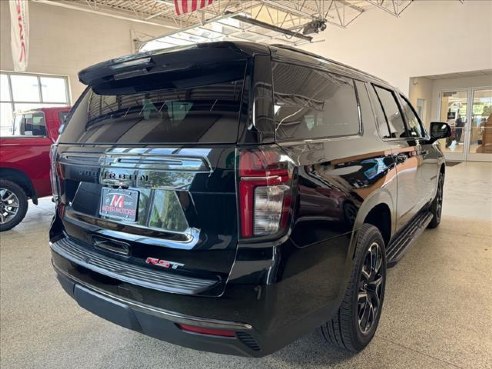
(202,106)
(4,88)
(392,112)
(313,104)
(30,124)
(365,106)
(6,118)
(25,88)
(378,110)
(481,122)
(54,89)
(414,128)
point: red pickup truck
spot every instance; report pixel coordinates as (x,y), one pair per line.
(25,162)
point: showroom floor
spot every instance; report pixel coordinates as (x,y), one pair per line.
(437,311)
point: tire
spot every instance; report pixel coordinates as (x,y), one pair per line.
(436,206)
(13,204)
(366,288)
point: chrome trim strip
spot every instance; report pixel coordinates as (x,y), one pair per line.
(191,235)
(267,178)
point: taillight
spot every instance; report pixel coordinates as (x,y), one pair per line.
(265,191)
(53,174)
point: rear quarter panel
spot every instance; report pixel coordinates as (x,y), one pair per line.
(29,155)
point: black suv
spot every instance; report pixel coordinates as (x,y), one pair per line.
(231,197)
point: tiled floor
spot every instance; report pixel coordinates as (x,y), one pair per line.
(437,313)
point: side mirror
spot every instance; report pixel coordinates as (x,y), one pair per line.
(439,130)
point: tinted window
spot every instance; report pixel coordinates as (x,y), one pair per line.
(365,105)
(30,124)
(197,106)
(388,101)
(413,122)
(378,111)
(313,104)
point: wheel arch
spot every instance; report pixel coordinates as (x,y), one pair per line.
(377,210)
(380,217)
(22,179)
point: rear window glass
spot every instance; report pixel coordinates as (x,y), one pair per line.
(312,104)
(199,106)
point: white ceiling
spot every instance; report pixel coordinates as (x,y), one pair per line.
(291,15)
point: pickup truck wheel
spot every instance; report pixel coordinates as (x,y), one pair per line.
(356,321)
(13,204)
(436,206)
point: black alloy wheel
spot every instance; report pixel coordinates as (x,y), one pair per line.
(370,288)
(355,323)
(436,206)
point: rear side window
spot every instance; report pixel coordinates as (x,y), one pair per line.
(197,106)
(367,114)
(394,119)
(30,124)
(414,126)
(310,103)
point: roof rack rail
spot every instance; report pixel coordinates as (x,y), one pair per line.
(300,51)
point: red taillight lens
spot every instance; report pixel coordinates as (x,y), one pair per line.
(209,331)
(265,179)
(53,174)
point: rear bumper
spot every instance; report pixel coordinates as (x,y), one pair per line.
(161,324)
(269,300)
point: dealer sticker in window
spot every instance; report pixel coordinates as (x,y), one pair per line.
(119,203)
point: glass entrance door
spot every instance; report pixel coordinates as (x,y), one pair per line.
(480,128)
(454,111)
(469,113)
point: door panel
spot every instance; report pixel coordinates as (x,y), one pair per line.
(428,167)
(407,155)
(408,168)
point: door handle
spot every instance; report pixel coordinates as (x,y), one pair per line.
(118,247)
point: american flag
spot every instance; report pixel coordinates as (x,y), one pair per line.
(188,6)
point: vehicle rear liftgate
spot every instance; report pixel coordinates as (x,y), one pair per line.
(167,206)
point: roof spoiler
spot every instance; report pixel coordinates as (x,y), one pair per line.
(179,58)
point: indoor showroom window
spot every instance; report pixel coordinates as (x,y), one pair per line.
(21,92)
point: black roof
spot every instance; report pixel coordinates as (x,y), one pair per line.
(315,59)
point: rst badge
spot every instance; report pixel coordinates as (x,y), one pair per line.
(163,263)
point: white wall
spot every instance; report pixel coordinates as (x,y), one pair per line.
(421,88)
(64,41)
(430,37)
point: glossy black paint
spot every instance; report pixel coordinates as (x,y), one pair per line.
(279,288)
